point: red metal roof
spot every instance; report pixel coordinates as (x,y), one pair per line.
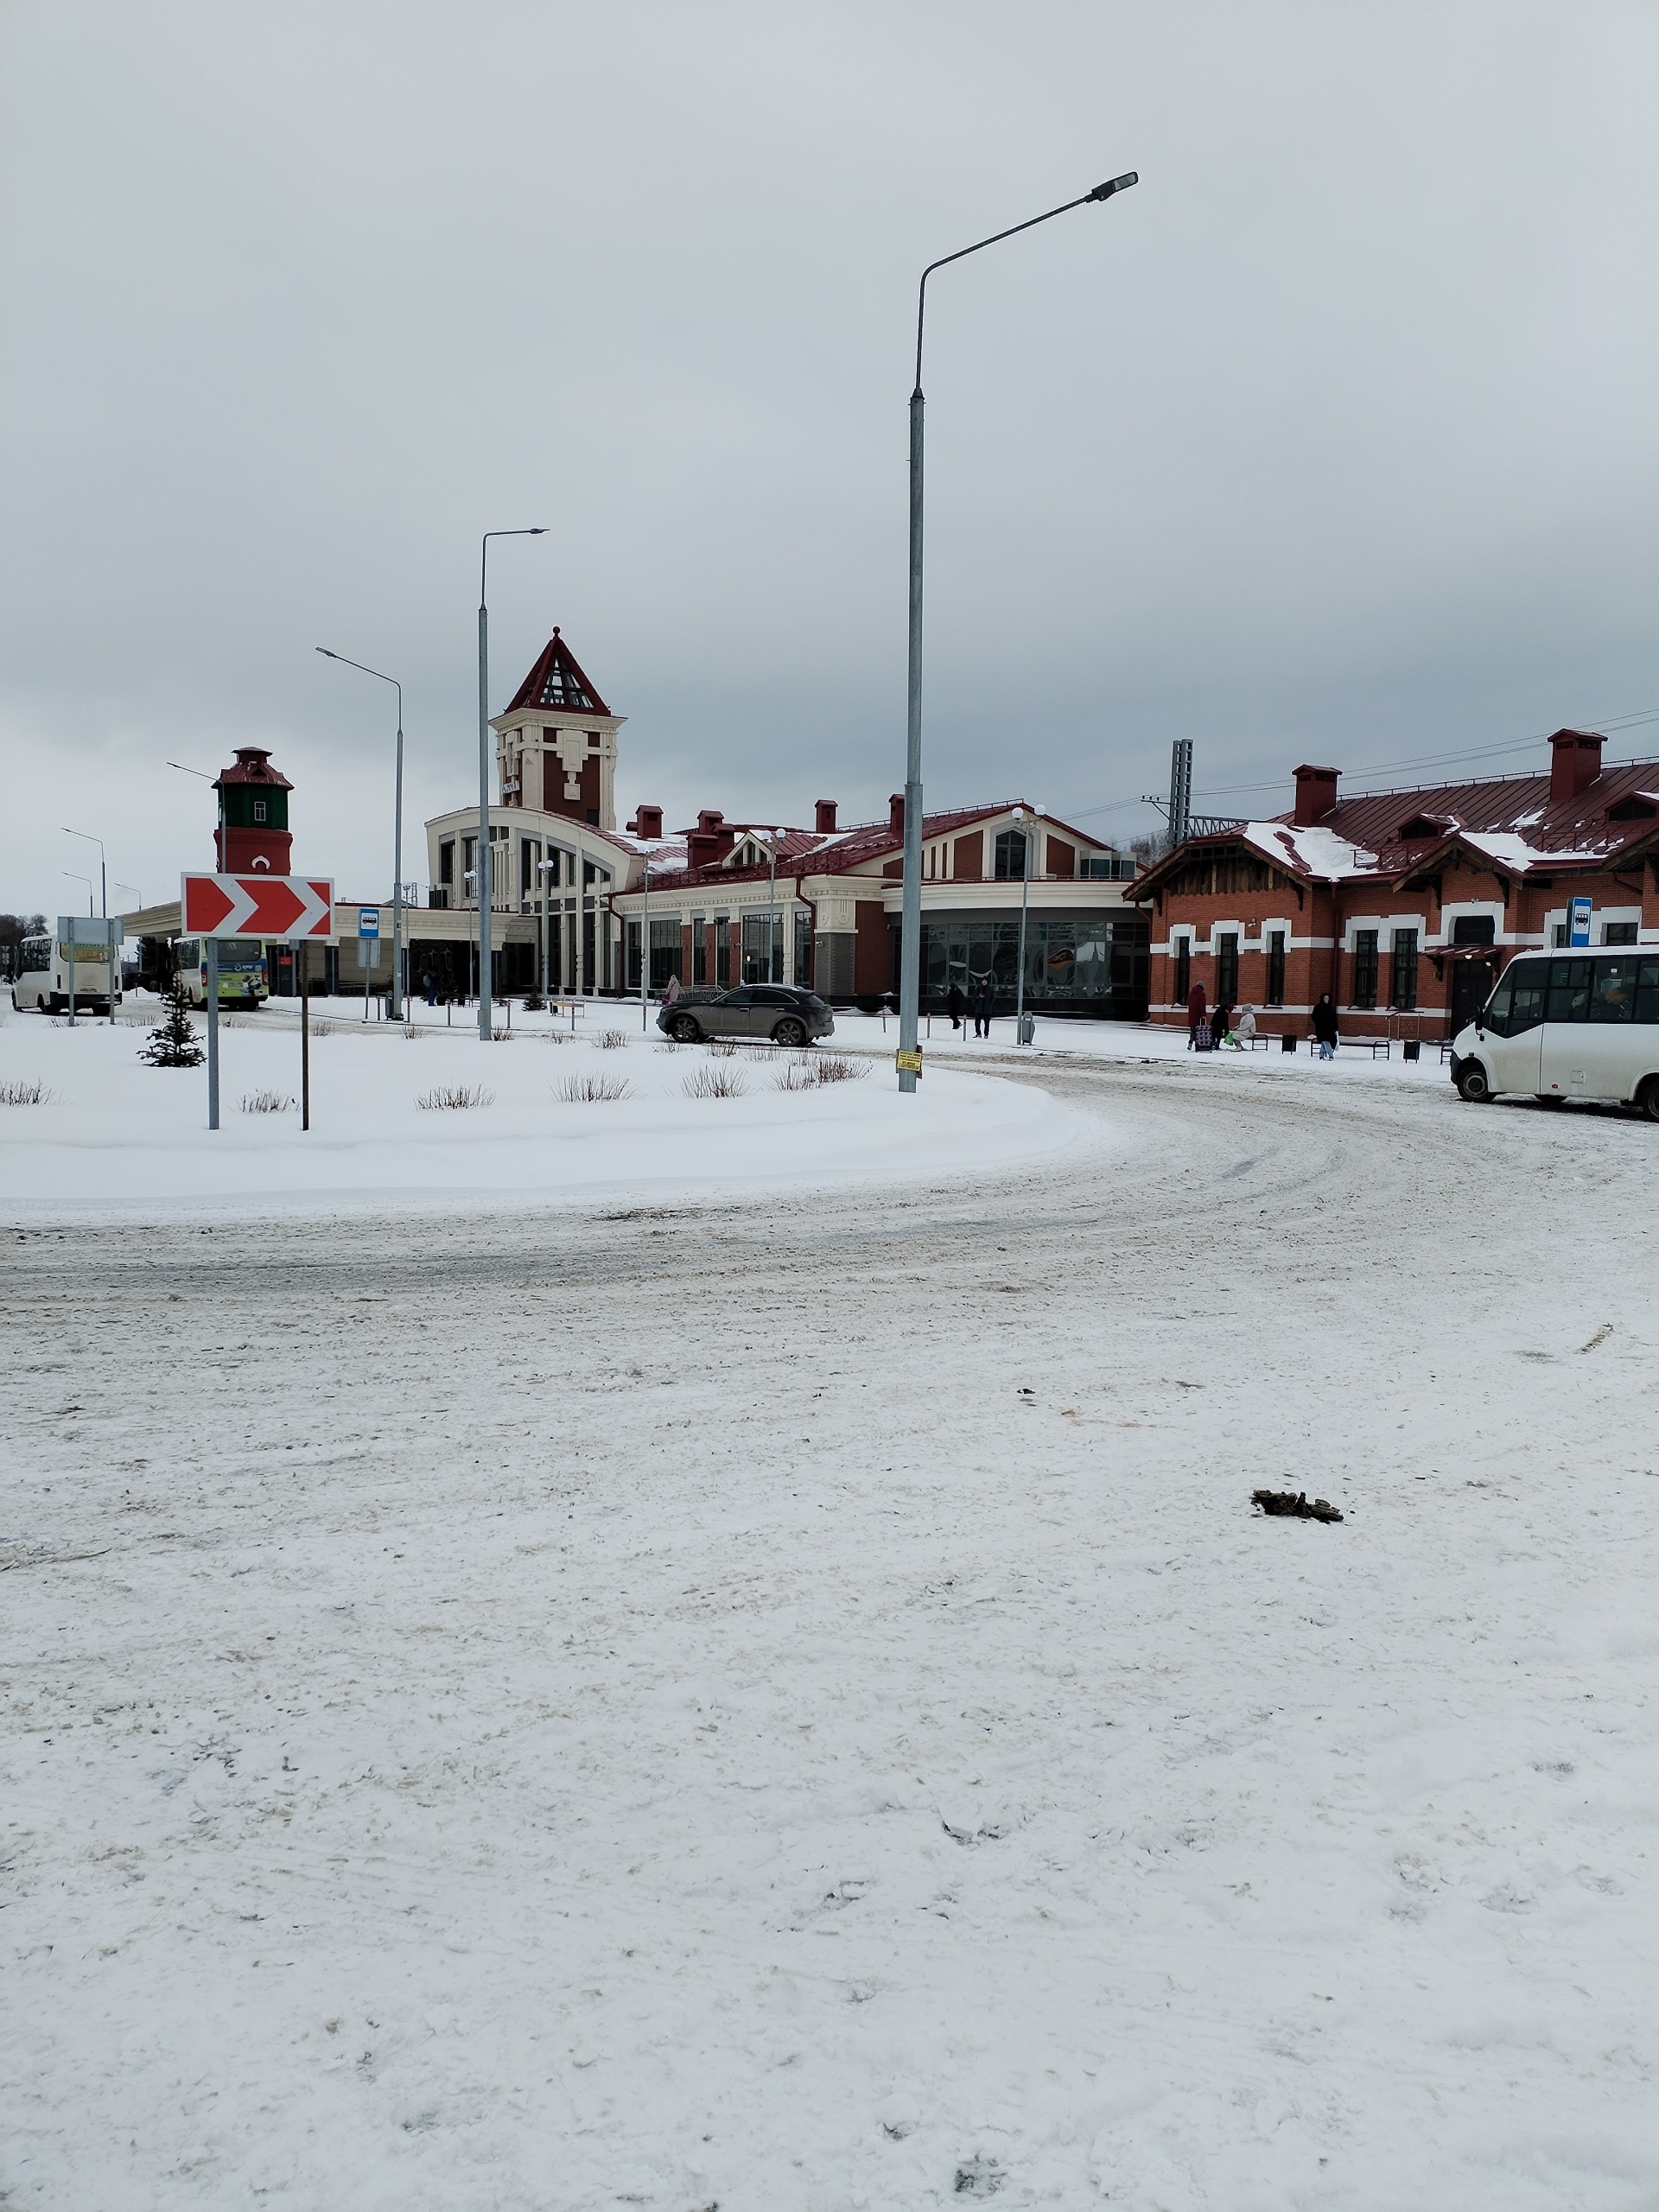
(557,682)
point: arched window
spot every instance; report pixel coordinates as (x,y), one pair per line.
(1010,854)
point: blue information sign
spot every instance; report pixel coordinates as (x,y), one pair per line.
(368,921)
(1578,921)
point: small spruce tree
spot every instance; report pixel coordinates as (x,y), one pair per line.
(174,1044)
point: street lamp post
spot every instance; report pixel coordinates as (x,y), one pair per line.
(1020,816)
(397,984)
(103,908)
(486,890)
(910,940)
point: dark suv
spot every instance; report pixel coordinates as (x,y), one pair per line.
(777,1011)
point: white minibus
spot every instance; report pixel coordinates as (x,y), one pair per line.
(1567,1025)
(43,970)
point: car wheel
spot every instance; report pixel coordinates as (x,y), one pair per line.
(685,1030)
(790,1032)
(1647,1099)
(1472,1085)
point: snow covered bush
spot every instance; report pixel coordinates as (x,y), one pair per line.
(589,1089)
(267,1101)
(454,1097)
(835,1067)
(24,1093)
(612,1040)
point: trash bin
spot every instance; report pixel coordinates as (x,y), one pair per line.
(1413,1048)
(1027,1027)
(1287,1044)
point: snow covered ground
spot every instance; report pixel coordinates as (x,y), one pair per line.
(116,1133)
(782,1702)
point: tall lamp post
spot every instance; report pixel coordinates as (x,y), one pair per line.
(909,969)
(103,869)
(486,889)
(396,1007)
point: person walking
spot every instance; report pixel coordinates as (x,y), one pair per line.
(430,985)
(984,1004)
(1221,1024)
(954,1005)
(1195,1010)
(1325,1026)
(1244,1029)
(671,990)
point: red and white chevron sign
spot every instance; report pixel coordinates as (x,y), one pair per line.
(257,906)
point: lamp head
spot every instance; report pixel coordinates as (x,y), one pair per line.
(1117,184)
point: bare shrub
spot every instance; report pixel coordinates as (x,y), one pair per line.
(835,1067)
(267,1101)
(667,1045)
(715,1083)
(501,1036)
(323,1029)
(24,1093)
(612,1040)
(592,1089)
(454,1097)
(722,1048)
(414,1031)
(798,1076)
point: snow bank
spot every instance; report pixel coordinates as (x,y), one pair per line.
(117,1134)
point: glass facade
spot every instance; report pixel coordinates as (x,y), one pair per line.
(1094,964)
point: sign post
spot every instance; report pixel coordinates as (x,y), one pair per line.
(257,907)
(368,945)
(1578,920)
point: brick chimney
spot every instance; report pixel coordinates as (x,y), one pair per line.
(709,843)
(896,814)
(647,822)
(1316,794)
(1574,762)
(825,822)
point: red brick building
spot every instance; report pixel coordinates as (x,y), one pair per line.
(1403,905)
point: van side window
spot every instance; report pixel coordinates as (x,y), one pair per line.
(1517,1004)
(1647,992)
(1569,990)
(1613,991)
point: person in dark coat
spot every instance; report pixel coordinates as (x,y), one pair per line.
(430,985)
(1221,1024)
(954,1004)
(1325,1026)
(1195,1007)
(984,1004)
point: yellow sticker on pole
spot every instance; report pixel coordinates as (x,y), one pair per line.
(908,1063)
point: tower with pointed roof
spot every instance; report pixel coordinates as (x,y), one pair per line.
(254,798)
(555,745)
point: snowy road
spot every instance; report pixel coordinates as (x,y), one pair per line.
(786,1706)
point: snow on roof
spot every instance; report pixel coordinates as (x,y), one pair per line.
(1310,851)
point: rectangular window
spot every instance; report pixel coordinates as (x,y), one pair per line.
(1276,968)
(1473,929)
(1618,933)
(803,948)
(447,861)
(1647,992)
(1569,990)
(664,950)
(1010,854)
(1403,997)
(1613,992)
(631,957)
(699,950)
(722,951)
(1517,1004)
(258,810)
(1227,968)
(1561,933)
(1183,969)
(469,867)
(1365,997)
(763,948)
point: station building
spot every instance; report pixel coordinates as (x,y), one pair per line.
(578,905)
(1404,905)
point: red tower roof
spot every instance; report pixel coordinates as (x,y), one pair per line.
(557,681)
(252,765)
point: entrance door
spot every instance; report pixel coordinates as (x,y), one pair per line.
(1471,983)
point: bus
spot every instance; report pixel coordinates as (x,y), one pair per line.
(41,984)
(244,979)
(1567,1025)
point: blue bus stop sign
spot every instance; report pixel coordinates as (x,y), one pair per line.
(368,921)
(1578,921)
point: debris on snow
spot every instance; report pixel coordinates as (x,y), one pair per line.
(1294,1503)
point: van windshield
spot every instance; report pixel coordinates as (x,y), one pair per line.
(1517,1004)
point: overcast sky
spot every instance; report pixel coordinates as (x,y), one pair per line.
(1333,440)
